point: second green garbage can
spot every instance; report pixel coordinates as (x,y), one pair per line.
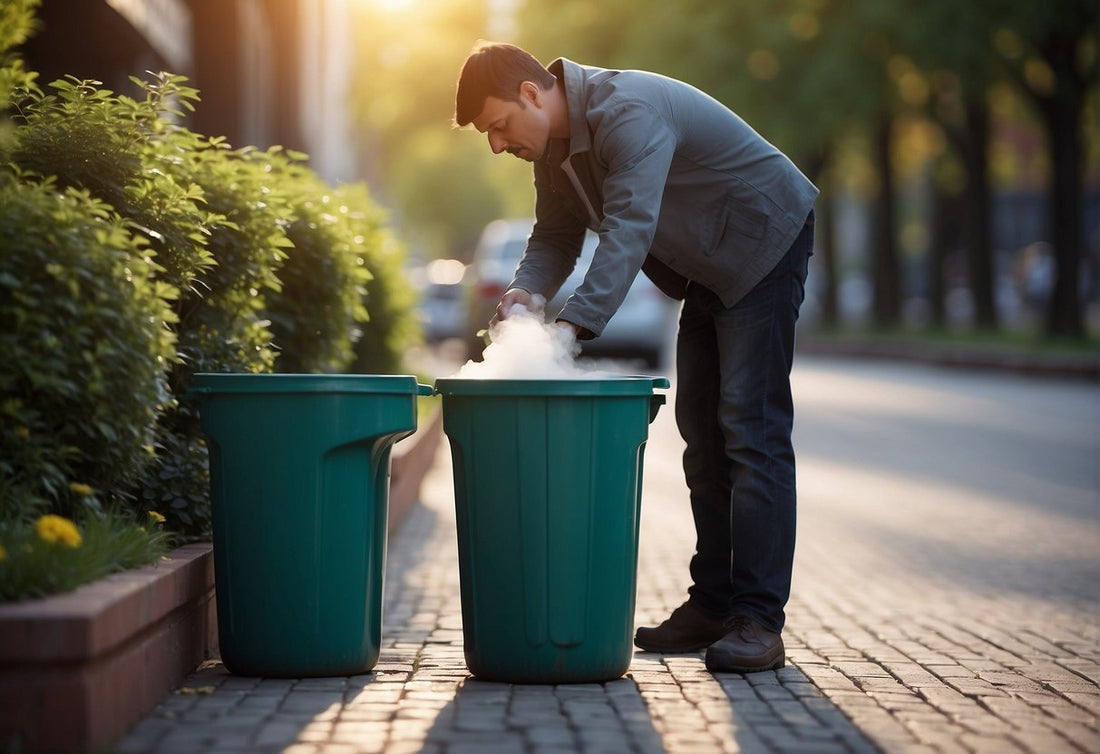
(547,477)
(299,474)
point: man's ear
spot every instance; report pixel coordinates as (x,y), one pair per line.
(529,91)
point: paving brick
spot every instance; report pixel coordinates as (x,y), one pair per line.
(974,687)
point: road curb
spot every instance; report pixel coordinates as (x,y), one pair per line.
(1078,366)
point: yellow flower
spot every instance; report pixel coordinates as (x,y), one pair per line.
(3,553)
(155,517)
(23,432)
(81,489)
(53,528)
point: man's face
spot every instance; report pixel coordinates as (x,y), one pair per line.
(519,128)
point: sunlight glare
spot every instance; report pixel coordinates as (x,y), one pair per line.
(394,6)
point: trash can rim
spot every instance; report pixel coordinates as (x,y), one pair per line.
(603,385)
(206,383)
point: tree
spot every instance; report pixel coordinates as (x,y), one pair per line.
(1050,51)
(951,45)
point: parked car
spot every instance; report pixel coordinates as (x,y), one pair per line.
(642,329)
(439,286)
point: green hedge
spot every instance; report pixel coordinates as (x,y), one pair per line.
(84,349)
(322,306)
(243,260)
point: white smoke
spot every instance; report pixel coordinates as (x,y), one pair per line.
(524,346)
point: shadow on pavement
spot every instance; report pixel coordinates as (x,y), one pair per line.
(502,717)
(214,710)
(656,709)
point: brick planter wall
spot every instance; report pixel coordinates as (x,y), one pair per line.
(78,669)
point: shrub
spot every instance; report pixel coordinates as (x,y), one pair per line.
(224,322)
(128,154)
(263,264)
(319,312)
(17,23)
(224,325)
(393,326)
(84,348)
(124,152)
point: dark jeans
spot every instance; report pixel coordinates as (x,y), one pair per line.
(735,412)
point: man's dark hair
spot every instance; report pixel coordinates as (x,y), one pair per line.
(495,69)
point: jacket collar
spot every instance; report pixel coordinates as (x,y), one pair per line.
(574,79)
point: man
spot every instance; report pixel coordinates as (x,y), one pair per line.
(677,185)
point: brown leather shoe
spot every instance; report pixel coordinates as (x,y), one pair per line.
(747,648)
(688,629)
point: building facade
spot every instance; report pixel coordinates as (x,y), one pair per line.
(269,72)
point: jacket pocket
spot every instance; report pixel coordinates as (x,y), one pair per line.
(743,228)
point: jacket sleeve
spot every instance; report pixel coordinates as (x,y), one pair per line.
(554,245)
(637,146)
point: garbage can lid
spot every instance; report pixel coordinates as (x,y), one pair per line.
(206,383)
(600,386)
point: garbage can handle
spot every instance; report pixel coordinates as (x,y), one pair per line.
(424,389)
(655,403)
(661,382)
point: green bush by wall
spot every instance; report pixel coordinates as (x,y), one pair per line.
(245,260)
(84,349)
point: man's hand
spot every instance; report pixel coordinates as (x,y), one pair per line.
(572,329)
(512,297)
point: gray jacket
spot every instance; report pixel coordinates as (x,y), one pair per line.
(670,179)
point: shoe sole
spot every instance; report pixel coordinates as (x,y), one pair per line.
(716,665)
(672,650)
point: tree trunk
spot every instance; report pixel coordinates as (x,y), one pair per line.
(978,221)
(1064,315)
(886,287)
(824,238)
(946,222)
(1061,109)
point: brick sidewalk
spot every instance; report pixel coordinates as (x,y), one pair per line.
(884,656)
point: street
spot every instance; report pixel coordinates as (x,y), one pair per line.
(980,490)
(960,484)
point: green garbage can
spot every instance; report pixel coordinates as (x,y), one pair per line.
(547,477)
(299,477)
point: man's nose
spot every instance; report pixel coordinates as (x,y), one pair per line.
(496,143)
